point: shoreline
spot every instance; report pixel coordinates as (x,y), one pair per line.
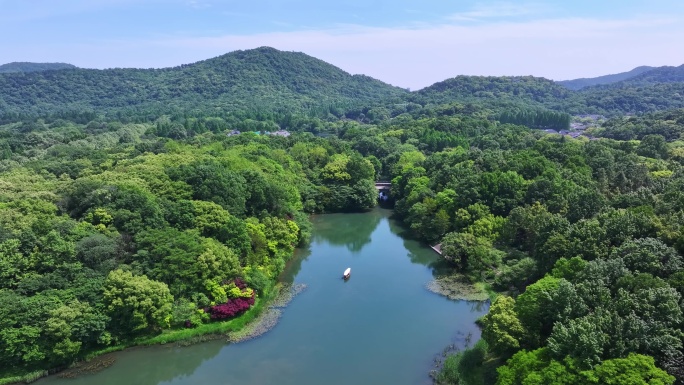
(457,287)
(255,322)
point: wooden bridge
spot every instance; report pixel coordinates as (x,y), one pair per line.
(383,185)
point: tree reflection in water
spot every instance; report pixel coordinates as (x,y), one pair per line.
(350,230)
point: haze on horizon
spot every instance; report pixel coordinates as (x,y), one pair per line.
(402,42)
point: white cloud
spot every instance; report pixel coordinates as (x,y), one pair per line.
(198,4)
(500,10)
(417,57)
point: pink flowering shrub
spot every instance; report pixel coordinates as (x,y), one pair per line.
(233,306)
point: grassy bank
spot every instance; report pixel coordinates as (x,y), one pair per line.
(458,287)
(185,336)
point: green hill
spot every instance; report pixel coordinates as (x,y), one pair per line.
(638,95)
(33,67)
(504,91)
(628,98)
(577,84)
(666,74)
(262,78)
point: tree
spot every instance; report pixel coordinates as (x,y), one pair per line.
(212,181)
(653,146)
(470,253)
(502,329)
(185,261)
(502,191)
(535,368)
(536,310)
(649,255)
(635,369)
(136,304)
(13,265)
(580,338)
(73,328)
(98,252)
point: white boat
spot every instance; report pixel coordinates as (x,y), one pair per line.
(347,273)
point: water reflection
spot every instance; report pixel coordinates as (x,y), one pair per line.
(178,362)
(294,265)
(418,253)
(350,230)
(479,306)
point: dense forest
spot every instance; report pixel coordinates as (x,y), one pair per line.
(138,202)
(263,79)
(33,67)
(578,84)
(643,75)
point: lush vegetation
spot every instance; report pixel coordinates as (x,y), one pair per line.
(33,67)
(114,235)
(260,79)
(578,84)
(585,236)
(131,205)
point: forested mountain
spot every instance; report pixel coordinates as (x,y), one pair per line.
(33,67)
(577,84)
(625,98)
(268,80)
(499,90)
(643,75)
(659,89)
(262,78)
(528,92)
(666,74)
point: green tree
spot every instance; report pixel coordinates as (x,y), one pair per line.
(536,310)
(185,261)
(634,369)
(653,146)
(502,329)
(136,304)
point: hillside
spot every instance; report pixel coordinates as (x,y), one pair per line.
(499,90)
(634,96)
(33,67)
(265,79)
(517,93)
(666,74)
(630,98)
(577,84)
(262,78)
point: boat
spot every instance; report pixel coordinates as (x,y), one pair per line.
(347,273)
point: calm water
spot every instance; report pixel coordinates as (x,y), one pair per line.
(380,327)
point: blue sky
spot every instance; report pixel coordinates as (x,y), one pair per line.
(406,43)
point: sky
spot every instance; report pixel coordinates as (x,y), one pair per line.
(407,43)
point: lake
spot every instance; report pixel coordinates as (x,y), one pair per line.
(382,326)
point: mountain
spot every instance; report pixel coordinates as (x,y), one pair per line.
(260,79)
(494,90)
(647,92)
(33,67)
(577,84)
(657,75)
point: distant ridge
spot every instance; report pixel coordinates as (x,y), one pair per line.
(33,67)
(666,74)
(578,84)
(259,79)
(495,89)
